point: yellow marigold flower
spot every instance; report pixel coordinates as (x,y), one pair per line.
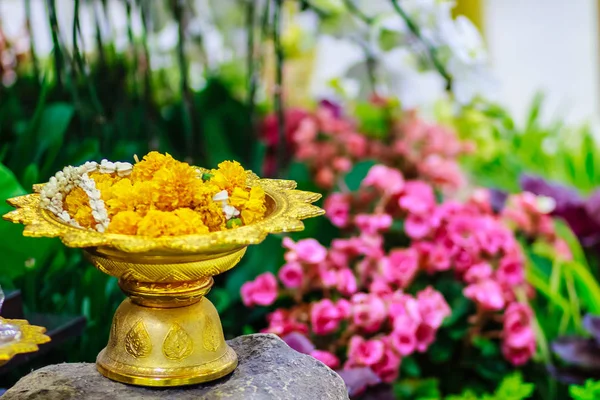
(212,215)
(229,175)
(239,197)
(152,162)
(159,223)
(125,222)
(254,208)
(204,193)
(175,186)
(121,196)
(77,204)
(142,197)
(191,222)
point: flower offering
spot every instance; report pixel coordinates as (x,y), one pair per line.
(157,196)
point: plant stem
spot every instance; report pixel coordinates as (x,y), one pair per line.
(133,50)
(250,60)
(431,50)
(189,117)
(357,12)
(279,60)
(34,60)
(56,49)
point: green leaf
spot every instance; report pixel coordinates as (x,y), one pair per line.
(53,125)
(589,391)
(31,175)
(220,299)
(16,249)
(410,367)
(513,388)
(418,389)
(373,120)
(358,173)
(487,347)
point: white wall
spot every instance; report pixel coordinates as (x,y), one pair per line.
(548,45)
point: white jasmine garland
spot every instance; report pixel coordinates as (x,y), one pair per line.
(61,184)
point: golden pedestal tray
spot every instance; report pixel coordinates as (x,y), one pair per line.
(17,337)
(166,333)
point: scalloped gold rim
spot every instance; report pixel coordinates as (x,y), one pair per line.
(31,337)
(287,208)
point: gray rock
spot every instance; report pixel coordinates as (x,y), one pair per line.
(268,369)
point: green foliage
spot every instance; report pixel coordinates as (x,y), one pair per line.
(589,391)
(357,174)
(512,387)
(506,150)
(418,389)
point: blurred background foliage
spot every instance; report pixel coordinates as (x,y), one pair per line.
(74,105)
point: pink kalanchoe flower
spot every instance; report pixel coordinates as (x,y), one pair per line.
(433,307)
(370,246)
(511,271)
(346,282)
(372,224)
(388,367)
(417,197)
(363,352)
(306,132)
(518,345)
(403,304)
(328,275)
(368,311)
(337,209)
(326,358)
(425,336)
(380,287)
(388,180)
(403,338)
(345,308)
(434,257)
(262,291)
(291,275)
(281,324)
(307,251)
(478,272)
(417,226)
(401,267)
(486,293)
(356,144)
(325,317)
(325,178)
(342,164)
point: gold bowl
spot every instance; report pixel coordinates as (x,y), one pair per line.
(26,341)
(167,333)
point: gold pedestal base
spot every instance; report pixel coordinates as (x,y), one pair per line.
(166,347)
(166,333)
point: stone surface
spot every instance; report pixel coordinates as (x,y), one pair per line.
(268,369)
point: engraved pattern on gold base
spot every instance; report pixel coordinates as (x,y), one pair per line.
(166,333)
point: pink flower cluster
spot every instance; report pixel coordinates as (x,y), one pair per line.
(330,145)
(364,316)
(518,343)
(530,214)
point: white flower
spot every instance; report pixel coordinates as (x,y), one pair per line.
(464,40)
(221,196)
(470,81)
(230,212)
(123,168)
(414,88)
(107,167)
(333,59)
